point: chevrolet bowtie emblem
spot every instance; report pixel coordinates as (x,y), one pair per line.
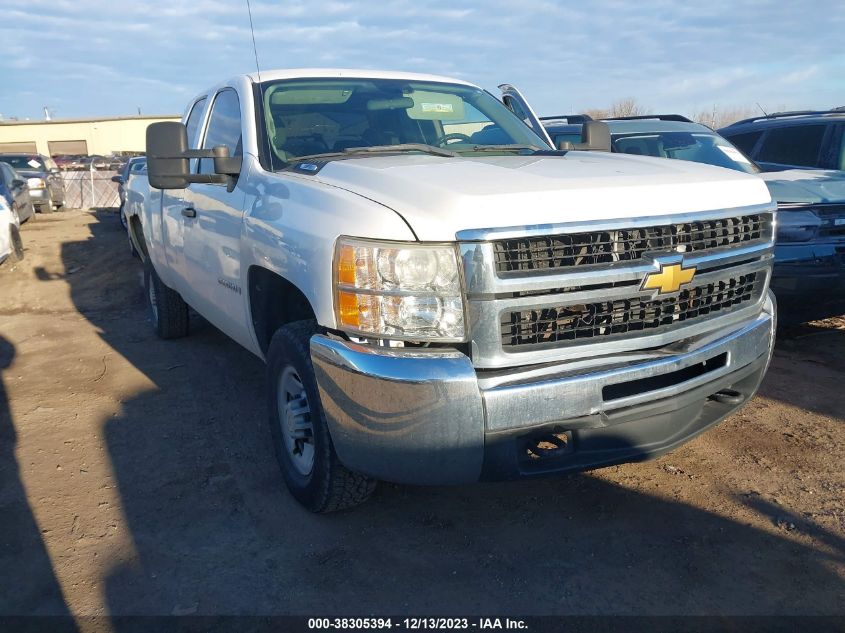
(668,279)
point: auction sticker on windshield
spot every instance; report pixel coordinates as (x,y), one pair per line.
(735,154)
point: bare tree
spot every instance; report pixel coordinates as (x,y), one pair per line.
(620,108)
(627,107)
(720,117)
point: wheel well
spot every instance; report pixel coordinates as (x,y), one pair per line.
(136,234)
(273,302)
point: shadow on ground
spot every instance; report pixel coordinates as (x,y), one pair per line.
(29,586)
(216,532)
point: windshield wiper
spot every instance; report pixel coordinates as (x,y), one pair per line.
(379,149)
(402,147)
(502,148)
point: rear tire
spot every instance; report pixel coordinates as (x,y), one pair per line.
(47,208)
(168,311)
(17,244)
(309,464)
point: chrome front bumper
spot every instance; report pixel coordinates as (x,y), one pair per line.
(429,417)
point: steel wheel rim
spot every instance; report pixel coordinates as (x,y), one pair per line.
(295,421)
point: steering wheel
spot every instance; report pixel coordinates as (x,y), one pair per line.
(454,136)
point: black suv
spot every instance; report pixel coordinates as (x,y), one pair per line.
(787,140)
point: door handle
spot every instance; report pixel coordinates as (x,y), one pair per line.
(189,212)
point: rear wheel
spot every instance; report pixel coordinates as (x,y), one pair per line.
(168,311)
(310,466)
(17,244)
(46,208)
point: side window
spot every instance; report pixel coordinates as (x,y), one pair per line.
(746,142)
(193,122)
(224,127)
(796,145)
(6,175)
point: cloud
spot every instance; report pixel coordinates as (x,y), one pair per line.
(107,58)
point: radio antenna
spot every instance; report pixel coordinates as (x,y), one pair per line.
(261,86)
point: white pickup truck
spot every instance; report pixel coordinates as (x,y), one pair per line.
(440,296)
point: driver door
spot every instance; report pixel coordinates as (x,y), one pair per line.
(213,228)
(516,103)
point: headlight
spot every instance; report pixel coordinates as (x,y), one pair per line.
(797,225)
(400,291)
(35,183)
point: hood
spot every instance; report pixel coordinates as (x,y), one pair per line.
(812,186)
(439,197)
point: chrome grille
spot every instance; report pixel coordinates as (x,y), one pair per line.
(549,252)
(605,320)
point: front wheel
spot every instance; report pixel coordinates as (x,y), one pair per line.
(309,464)
(168,311)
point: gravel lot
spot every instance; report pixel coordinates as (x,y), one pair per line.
(137,477)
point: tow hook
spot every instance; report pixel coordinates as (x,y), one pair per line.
(549,445)
(728,396)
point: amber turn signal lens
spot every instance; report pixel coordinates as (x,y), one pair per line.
(346,266)
(348,309)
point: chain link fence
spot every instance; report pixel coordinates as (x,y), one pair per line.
(88,189)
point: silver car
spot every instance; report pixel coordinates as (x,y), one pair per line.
(46,188)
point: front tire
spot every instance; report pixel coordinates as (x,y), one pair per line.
(168,311)
(309,464)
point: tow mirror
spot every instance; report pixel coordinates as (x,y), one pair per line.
(167,166)
(168,159)
(595,137)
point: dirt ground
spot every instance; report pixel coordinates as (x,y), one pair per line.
(137,477)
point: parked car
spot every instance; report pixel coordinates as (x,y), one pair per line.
(136,191)
(46,187)
(809,271)
(15,191)
(69,162)
(96,163)
(11,243)
(789,140)
(441,297)
(135,163)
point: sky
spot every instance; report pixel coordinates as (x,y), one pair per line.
(85,58)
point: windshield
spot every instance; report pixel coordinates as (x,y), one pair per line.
(24,163)
(321,116)
(699,147)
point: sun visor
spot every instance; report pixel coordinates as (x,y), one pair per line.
(293,96)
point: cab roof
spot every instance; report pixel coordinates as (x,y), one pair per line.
(354,73)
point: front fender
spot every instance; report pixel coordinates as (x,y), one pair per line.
(291,224)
